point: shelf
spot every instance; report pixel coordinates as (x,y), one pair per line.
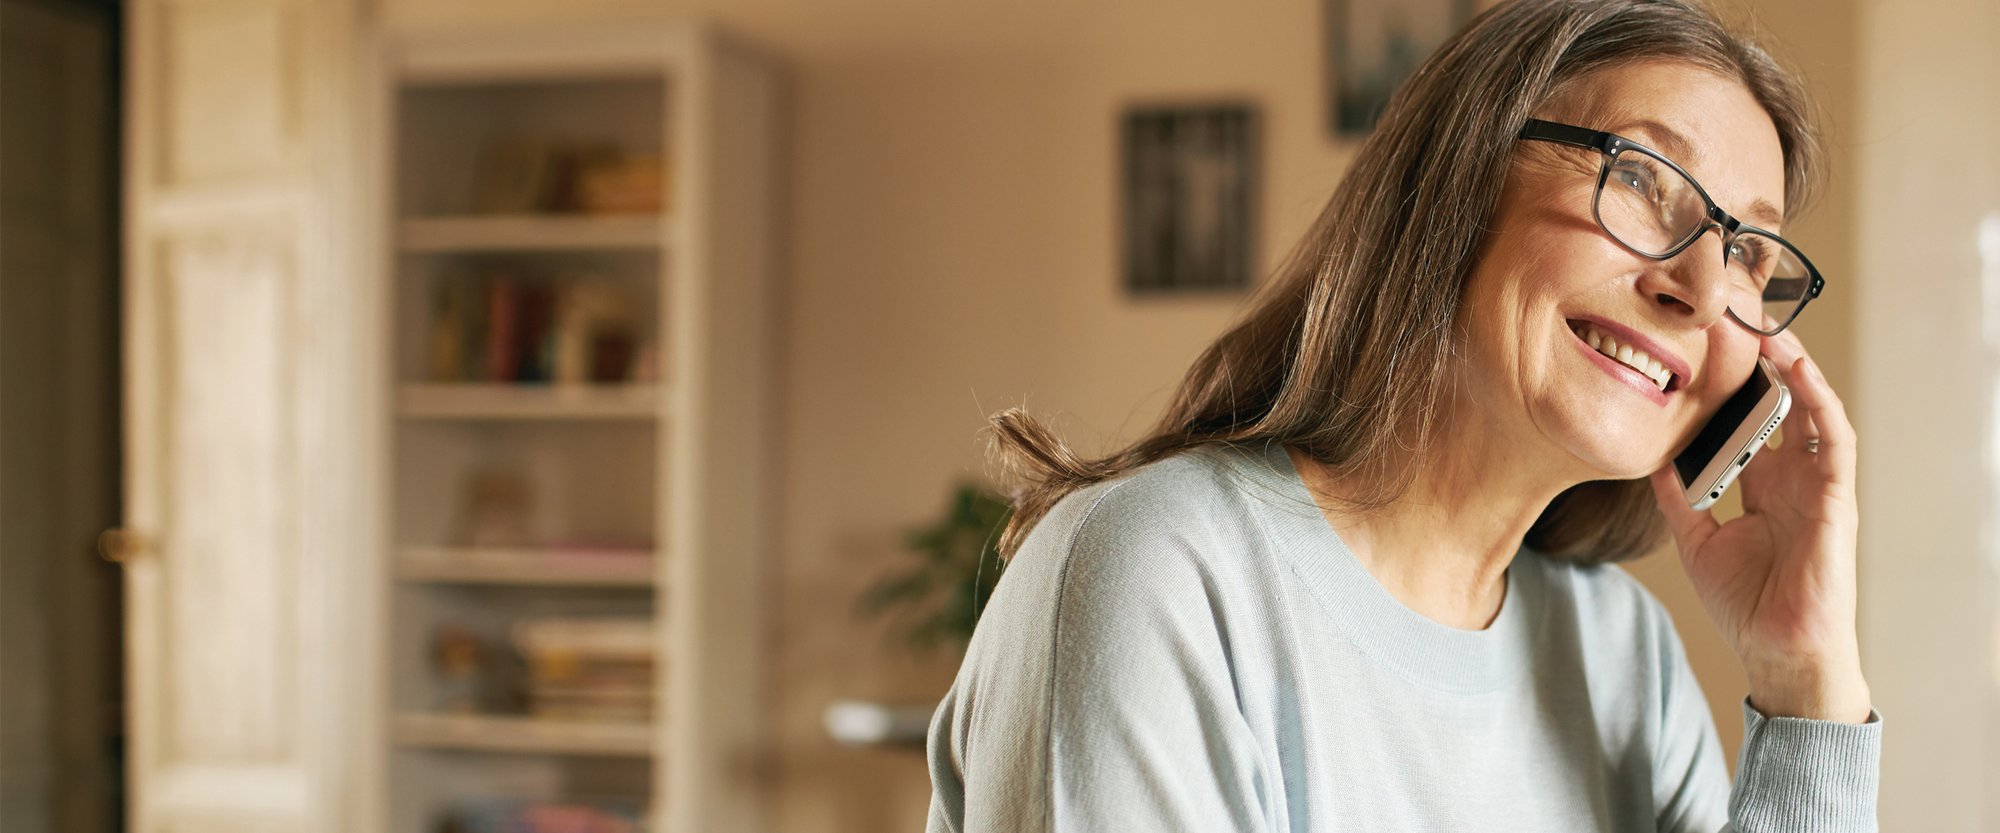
(553,567)
(530,232)
(506,401)
(500,733)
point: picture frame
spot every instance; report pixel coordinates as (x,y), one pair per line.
(1190,172)
(1373,46)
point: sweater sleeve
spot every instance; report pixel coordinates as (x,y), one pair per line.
(1793,775)
(1096,695)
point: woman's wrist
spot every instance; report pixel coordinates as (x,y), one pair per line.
(1817,693)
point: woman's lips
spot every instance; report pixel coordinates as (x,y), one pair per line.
(1632,378)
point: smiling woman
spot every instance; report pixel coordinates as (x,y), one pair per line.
(1357,577)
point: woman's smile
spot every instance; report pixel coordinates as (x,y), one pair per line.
(1627,374)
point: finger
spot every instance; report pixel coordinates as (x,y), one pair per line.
(1796,428)
(1784,350)
(1690,526)
(1829,419)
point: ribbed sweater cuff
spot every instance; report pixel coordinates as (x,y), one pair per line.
(1797,775)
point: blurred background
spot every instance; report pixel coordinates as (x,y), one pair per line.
(428,415)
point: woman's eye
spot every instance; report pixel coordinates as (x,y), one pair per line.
(1748,255)
(1639,180)
(1635,179)
(1754,260)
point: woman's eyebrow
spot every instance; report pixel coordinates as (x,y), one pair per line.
(1764,213)
(1665,140)
(1678,148)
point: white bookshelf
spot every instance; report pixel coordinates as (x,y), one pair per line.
(521,489)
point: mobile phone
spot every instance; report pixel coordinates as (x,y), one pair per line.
(1735,434)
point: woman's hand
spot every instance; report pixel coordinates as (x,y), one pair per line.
(1779,581)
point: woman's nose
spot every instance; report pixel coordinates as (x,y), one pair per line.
(1694,283)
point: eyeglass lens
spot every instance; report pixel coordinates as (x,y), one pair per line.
(1651,207)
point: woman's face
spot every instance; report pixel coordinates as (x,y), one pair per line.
(1547,268)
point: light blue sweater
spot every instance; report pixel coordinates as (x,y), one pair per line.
(1190,647)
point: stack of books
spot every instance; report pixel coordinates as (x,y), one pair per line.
(499,328)
(595,668)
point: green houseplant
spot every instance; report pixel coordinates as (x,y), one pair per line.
(936,600)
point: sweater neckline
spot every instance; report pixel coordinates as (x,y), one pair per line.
(1415,646)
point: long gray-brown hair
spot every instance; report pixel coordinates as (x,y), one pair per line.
(1344,353)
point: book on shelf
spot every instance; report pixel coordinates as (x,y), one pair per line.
(502,329)
(450,332)
(597,637)
(589,668)
(499,328)
(521,174)
(533,355)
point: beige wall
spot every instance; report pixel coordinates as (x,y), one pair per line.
(954,253)
(1931,369)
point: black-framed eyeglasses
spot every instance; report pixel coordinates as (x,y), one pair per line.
(1655,209)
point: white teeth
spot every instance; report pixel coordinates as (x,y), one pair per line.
(1647,366)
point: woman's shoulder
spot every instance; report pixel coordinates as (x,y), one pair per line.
(1198,491)
(1175,519)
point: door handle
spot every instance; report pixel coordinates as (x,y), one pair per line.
(119,545)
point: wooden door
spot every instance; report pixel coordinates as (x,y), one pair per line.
(250,420)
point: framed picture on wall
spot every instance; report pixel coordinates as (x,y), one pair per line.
(1373,45)
(1190,185)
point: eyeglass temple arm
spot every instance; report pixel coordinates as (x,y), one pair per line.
(1567,134)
